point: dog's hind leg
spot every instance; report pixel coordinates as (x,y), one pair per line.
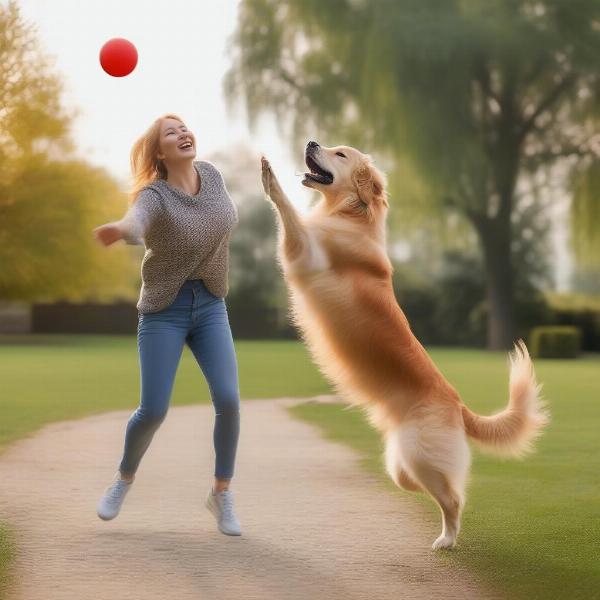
(449,501)
(394,466)
(438,459)
(400,476)
(405,481)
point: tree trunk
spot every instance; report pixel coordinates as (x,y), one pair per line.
(496,232)
(495,240)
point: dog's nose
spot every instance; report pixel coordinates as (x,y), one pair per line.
(312,145)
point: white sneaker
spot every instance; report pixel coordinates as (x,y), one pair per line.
(110,504)
(221,506)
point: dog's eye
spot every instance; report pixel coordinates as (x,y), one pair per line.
(341,154)
(359,204)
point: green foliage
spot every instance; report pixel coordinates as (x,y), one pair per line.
(49,202)
(451,87)
(47,248)
(462,103)
(446,307)
(573,302)
(557,341)
(580,311)
(586,215)
(446,303)
(586,280)
(31,115)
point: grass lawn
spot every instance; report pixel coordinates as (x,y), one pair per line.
(53,377)
(530,528)
(7,549)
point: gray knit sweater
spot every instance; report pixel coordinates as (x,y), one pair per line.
(186,237)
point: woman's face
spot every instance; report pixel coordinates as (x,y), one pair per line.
(176,142)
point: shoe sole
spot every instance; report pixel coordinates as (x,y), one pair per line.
(106,518)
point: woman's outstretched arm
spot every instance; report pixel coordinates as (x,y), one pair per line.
(132,228)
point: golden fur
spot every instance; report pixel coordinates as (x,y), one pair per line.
(340,282)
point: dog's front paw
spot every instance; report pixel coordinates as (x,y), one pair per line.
(269,181)
(267,175)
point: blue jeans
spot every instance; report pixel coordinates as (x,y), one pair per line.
(199,319)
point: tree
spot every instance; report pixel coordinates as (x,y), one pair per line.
(586,214)
(467,98)
(49,201)
(31,116)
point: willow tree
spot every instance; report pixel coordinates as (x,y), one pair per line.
(472,96)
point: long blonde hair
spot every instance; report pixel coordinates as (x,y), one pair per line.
(146,167)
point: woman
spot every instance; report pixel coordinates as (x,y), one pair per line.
(184,216)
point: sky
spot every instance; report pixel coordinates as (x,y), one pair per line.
(182,58)
(182,49)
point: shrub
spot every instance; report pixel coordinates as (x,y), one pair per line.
(580,311)
(555,341)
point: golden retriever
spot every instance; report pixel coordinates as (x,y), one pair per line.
(339,277)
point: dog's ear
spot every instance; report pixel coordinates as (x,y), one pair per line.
(370,184)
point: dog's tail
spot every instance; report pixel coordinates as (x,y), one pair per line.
(512,431)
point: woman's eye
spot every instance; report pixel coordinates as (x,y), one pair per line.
(341,154)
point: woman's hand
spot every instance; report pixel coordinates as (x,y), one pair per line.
(108,234)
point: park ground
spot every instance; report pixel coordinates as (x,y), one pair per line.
(530,527)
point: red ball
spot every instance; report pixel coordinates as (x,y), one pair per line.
(118,57)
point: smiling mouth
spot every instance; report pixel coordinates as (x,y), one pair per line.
(317,173)
(185,146)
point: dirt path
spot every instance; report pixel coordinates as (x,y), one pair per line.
(315,525)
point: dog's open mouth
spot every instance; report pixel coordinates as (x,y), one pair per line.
(317,173)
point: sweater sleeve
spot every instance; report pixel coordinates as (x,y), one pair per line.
(139,217)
